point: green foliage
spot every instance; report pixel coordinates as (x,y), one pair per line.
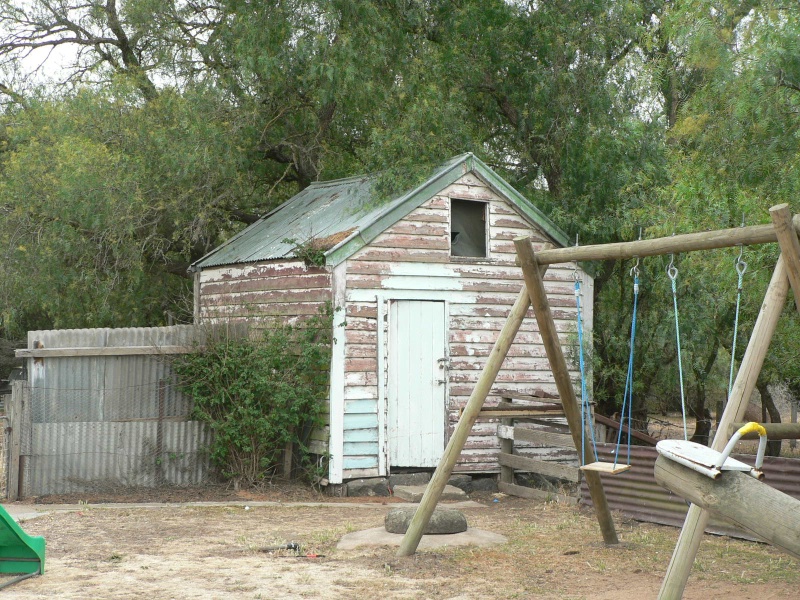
(610,116)
(106,203)
(258,395)
(309,252)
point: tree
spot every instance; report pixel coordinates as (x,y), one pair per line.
(182,122)
(732,150)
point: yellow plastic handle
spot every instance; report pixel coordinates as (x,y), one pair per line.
(747,428)
(752,427)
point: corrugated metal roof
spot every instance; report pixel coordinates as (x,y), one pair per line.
(322,210)
(342,216)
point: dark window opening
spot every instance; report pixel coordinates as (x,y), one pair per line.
(467,228)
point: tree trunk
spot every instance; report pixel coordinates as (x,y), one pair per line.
(702,429)
(768,409)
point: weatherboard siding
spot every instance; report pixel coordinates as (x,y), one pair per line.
(361,419)
(284,289)
(411,260)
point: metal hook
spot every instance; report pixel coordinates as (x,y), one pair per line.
(672,270)
(575,275)
(741,265)
(635,269)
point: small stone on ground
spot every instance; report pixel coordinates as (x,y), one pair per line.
(409,479)
(368,487)
(443,521)
(461,481)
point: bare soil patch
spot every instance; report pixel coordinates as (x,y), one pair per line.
(554,552)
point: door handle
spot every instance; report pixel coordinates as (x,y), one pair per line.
(444,363)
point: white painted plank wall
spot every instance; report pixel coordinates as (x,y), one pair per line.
(412,260)
(283,289)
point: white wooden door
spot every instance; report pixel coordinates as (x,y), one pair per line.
(417,383)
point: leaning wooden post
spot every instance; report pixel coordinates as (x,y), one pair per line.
(683,556)
(547,329)
(433,491)
(790,247)
(749,504)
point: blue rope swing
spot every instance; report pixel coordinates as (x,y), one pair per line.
(586,409)
(627,398)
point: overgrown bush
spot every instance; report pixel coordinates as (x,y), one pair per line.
(259,394)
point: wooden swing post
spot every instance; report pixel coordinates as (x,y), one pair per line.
(547,329)
(758,509)
(790,246)
(694,526)
(675,244)
(433,492)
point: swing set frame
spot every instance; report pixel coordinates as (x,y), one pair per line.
(783,230)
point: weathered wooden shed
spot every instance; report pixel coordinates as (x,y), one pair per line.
(421,286)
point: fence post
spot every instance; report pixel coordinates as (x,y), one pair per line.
(507,447)
(162,389)
(20,395)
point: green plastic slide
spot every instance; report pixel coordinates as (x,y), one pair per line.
(19,552)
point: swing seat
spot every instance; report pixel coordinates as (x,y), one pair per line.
(608,468)
(703,459)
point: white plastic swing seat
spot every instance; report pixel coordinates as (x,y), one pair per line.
(700,458)
(608,468)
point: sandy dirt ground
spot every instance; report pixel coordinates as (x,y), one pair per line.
(204,552)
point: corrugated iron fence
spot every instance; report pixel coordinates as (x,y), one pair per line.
(101,410)
(636,494)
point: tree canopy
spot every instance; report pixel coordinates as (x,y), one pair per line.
(172,125)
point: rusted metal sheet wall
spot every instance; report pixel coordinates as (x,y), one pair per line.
(109,419)
(636,494)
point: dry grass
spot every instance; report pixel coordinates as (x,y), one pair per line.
(553,552)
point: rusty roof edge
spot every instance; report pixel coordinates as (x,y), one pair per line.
(197,266)
(401,206)
(396,209)
(345,242)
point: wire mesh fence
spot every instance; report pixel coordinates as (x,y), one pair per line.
(96,438)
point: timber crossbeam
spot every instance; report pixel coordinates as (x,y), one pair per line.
(686,242)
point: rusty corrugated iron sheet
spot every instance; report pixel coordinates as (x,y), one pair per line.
(100,421)
(636,494)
